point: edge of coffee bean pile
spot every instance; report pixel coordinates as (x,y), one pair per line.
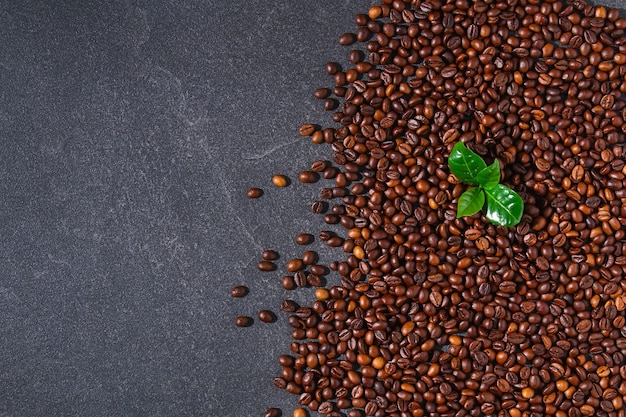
(435,315)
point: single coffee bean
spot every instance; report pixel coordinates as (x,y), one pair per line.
(280,180)
(266,316)
(307,129)
(266,266)
(239,291)
(309,257)
(269,255)
(318,207)
(300,279)
(321,93)
(347,39)
(288,306)
(304,239)
(254,193)
(243,321)
(273,412)
(308,177)
(294,265)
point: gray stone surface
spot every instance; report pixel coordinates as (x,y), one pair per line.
(129,134)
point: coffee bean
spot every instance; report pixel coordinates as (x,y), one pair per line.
(299,412)
(269,255)
(239,291)
(254,193)
(280,180)
(347,38)
(304,239)
(321,93)
(273,412)
(243,321)
(266,316)
(266,266)
(307,129)
(294,265)
(308,177)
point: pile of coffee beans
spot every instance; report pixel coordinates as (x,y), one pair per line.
(436,315)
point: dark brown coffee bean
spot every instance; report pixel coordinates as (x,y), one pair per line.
(266,316)
(304,239)
(254,193)
(239,291)
(288,306)
(269,255)
(266,266)
(308,177)
(347,39)
(273,412)
(243,321)
(307,129)
(300,279)
(321,93)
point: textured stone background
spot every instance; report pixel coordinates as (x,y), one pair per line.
(129,134)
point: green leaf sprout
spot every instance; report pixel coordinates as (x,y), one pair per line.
(504,206)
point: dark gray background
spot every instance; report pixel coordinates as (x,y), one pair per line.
(129,134)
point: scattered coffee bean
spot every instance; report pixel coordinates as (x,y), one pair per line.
(304,239)
(266,266)
(307,129)
(280,180)
(254,193)
(273,412)
(269,255)
(239,291)
(266,316)
(347,39)
(308,177)
(243,321)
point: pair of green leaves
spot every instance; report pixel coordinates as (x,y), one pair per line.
(504,206)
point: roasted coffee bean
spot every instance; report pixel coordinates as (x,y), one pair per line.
(347,38)
(280,180)
(288,306)
(307,129)
(266,266)
(266,316)
(321,93)
(308,177)
(269,255)
(273,412)
(304,239)
(243,321)
(239,291)
(254,193)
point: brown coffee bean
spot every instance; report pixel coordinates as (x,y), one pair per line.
(308,177)
(243,321)
(280,180)
(273,412)
(304,239)
(347,38)
(266,316)
(239,291)
(307,129)
(321,93)
(266,266)
(254,193)
(269,255)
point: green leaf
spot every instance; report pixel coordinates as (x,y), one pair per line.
(470,202)
(504,206)
(465,164)
(490,176)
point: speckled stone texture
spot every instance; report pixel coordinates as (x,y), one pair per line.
(129,134)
